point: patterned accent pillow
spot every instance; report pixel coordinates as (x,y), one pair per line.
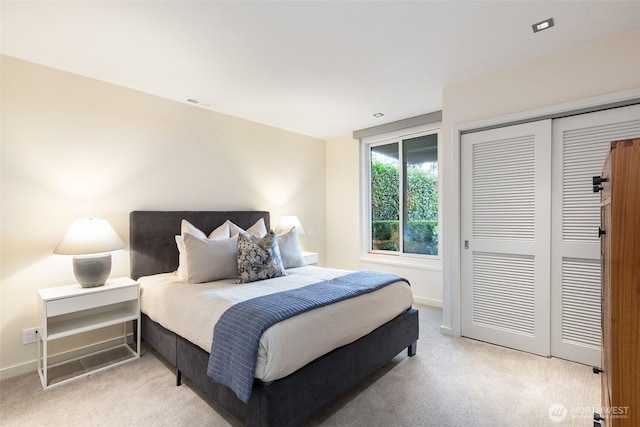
(258,258)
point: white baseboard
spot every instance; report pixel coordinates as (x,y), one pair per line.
(15,370)
(445,330)
(428,301)
(32,365)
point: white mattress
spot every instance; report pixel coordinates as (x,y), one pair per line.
(192,310)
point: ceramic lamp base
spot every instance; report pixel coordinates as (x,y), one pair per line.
(92,270)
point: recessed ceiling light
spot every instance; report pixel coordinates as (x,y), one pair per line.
(542,25)
(378,114)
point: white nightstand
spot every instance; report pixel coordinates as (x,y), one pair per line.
(70,310)
(311,258)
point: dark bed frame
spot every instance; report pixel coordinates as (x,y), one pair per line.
(289,401)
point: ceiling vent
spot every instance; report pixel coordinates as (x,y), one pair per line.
(200,102)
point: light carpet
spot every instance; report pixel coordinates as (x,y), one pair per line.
(450,382)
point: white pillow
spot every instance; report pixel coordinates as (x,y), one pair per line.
(210,259)
(290,251)
(222,232)
(187,227)
(258,228)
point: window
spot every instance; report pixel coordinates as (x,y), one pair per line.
(403,194)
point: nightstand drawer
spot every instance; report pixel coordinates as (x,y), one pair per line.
(89,301)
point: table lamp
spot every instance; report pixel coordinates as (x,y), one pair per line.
(90,240)
(287,222)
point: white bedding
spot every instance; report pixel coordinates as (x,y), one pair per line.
(191,311)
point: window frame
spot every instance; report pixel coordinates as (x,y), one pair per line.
(396,257)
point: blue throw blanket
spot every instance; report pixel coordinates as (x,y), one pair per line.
(234,350)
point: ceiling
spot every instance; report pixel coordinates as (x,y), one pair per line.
(319,68)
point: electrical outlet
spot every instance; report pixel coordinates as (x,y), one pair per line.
(29,335)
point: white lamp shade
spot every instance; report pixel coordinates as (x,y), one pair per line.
(287,222)
(89,236)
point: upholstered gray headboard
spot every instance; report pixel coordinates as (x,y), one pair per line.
(152,235)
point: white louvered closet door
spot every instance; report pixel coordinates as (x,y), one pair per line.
(506,205)
(580,146)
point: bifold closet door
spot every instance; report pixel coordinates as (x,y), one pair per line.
(580,146)
(506,205)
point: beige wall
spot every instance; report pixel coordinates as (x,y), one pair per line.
(599,68)
(73,146)
(592,74)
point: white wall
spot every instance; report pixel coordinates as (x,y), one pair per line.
(73,146)
(580,77)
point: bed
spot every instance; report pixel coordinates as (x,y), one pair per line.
(286,401)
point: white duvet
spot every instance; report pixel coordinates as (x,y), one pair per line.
(192,310)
